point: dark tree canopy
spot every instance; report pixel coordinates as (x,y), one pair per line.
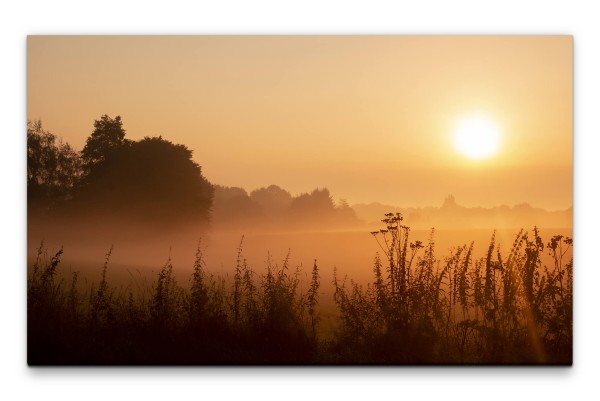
(53,168)
(107,137)
(152,179)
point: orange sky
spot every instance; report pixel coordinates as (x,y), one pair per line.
(369,117)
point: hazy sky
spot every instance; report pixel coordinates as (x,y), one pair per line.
(369,117)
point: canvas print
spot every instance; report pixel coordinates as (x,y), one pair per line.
(299,200)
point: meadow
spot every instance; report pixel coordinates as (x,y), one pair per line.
(391,296)
(169,240)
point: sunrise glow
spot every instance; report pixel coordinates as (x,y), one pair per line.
(476,137)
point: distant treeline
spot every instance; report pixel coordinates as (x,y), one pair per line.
(156,182)
(274,207)
(452,215)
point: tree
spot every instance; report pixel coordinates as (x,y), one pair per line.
(53,168)
(316,207)
(153,180)
(234,208)
(345,215)
(107,137)
(274,200)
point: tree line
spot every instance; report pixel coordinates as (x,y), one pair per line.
(155,181)
(275,208)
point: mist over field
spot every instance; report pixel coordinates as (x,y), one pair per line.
(295,200)
(350,249)
(136,226)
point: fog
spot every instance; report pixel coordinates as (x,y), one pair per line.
(139,252)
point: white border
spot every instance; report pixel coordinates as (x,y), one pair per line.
(21,18)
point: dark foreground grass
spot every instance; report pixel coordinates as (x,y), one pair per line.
(500,309)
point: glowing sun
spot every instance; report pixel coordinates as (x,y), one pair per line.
(476,137)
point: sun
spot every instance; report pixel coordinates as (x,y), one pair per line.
(476,137)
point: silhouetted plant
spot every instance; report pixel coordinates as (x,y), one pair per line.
(488,310)
(100,304)
(167,302)
(42,289)
(312,299)
(419,309)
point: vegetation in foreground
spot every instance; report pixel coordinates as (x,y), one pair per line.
(500,309)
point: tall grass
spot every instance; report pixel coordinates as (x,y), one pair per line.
(256,318)
(505,307)
(459,309)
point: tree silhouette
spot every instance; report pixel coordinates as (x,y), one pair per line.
(52,168)
(274,200)
(153,180)
(107,137)
(318,206)
(233,207)
(345,214)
